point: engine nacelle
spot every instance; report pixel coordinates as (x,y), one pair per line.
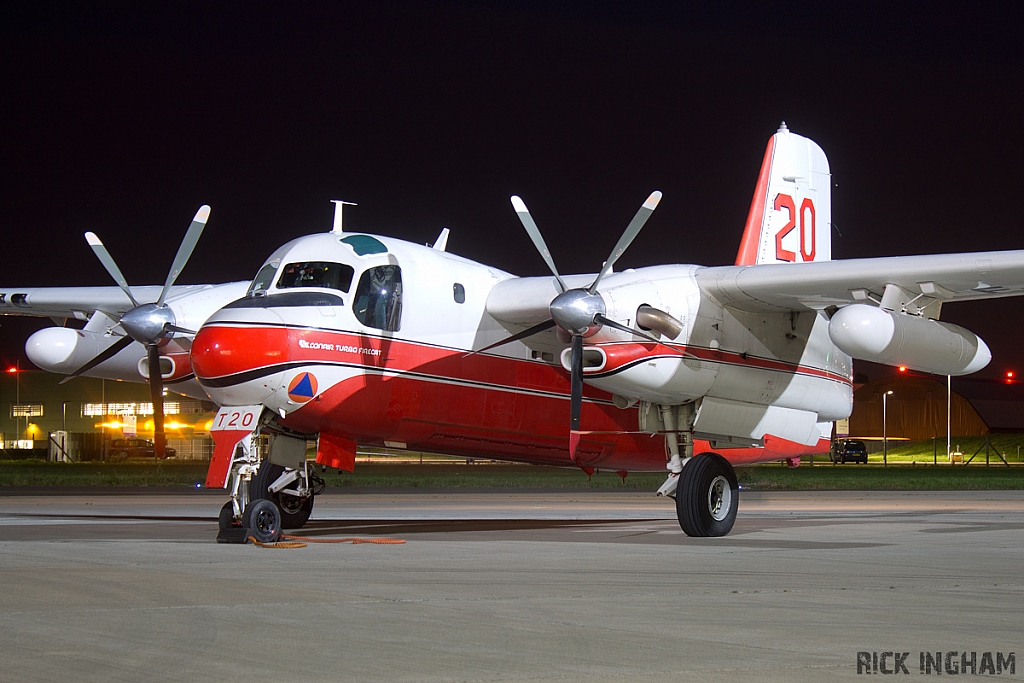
(871,333)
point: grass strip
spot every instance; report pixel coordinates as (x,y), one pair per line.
(821,477)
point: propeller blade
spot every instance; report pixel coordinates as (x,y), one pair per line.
(528,332)
(645,211)
(538,241)
(108,262)
(605,320)
(156,391)
(576,384)
(195,231)
(106,354)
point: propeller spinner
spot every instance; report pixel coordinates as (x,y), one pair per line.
(149,324)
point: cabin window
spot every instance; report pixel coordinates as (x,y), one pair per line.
(378,298)
(459,292)
(316,274)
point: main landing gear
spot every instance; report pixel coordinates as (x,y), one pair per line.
(707,496)
(704,486)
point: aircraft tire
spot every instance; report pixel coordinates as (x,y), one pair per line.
(262,520)
(226,518)
(294,511)
(707,497)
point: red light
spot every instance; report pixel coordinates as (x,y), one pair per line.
(12,369)
(1009,374)
(903,368)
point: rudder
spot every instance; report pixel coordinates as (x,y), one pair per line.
(790,215)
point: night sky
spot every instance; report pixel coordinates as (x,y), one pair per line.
(124,118)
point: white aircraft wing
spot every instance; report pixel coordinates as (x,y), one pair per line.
(80,302)
(818,285)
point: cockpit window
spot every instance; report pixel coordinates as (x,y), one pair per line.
(263,279)
(316,274)
(378,298)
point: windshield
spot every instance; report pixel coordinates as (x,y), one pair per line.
(263,278)
(316,274)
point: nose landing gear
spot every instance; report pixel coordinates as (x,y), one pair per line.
(256,484)
(291,490)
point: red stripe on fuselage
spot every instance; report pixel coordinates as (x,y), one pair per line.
(441,399)
(620,355)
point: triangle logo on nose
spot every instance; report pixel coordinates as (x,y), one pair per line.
(302,388)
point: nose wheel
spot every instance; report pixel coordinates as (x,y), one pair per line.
(707,496)
(263,521)
(294,509)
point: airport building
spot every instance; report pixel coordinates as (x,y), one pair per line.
(35,410)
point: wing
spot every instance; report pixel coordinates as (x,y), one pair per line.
(924,280)
(80,302)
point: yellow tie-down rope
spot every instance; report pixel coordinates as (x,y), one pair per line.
(302,541)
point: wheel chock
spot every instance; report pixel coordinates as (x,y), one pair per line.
(234,534)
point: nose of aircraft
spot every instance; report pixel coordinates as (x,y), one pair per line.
(239,364)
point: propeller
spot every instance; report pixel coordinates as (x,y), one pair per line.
(149,324)
(581,312)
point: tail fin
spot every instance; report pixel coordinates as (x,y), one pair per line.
(791,213)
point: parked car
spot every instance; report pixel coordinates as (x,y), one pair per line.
(849,450)
(122,449)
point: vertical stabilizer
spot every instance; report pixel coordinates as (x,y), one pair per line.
(791,213)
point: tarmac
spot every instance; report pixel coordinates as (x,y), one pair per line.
(559,587)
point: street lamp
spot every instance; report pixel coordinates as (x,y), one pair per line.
(949,416)
(885,444)
(16,371)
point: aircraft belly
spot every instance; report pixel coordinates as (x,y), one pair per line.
(477,419)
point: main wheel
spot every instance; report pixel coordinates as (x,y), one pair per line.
(262,520)
(707,496)
(294,511)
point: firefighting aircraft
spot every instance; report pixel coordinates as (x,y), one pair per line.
(355,340)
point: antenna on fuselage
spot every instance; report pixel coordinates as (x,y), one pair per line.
(338,206)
